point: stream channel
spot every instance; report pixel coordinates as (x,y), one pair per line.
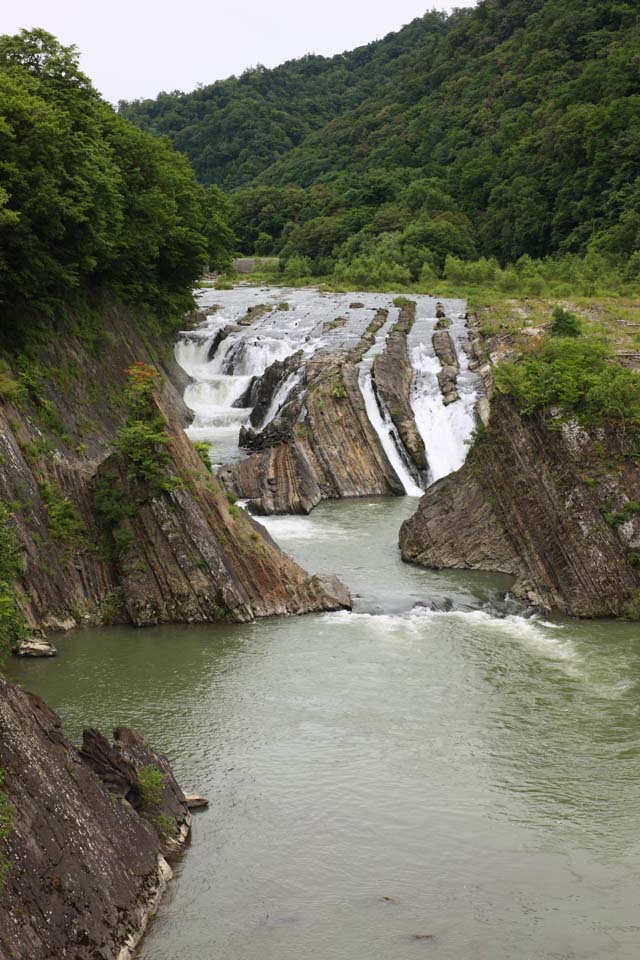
(437,774)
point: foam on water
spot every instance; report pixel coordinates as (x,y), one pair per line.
(445,430)
(290,528)
(529,630)
(384,427)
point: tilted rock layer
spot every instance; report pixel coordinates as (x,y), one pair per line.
(545,500)
(83,865)
(323,446)
(192,556)
(393,377)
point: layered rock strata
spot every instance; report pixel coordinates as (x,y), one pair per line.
(546,501)
(445,351)
(323,445)
(189,555)
(193,557)
(393,378)
(85,860)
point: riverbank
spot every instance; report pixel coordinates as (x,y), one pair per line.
(394,773)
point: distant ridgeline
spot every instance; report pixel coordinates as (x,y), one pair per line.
(91,208)
(508,130)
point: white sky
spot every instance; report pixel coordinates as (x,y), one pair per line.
(135,48)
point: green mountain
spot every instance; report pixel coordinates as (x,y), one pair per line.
(505,130)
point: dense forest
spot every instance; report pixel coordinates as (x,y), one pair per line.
(90,206)
(504,131)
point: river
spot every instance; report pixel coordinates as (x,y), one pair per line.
(435,774)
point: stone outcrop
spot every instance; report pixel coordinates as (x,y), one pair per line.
(274,377)
(445,351)
(189,555)
(322,446)
(393,377)
(85,860)
(192,556)
(330,451)
(546,501)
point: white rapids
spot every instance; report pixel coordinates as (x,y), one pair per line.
(304,320)
(445,430)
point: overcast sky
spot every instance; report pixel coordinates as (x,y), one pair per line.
(135,48)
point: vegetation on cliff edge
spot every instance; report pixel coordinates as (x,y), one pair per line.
(13,627)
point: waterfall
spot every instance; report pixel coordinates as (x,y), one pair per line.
(243,355)
(383,425)
(445,430)
(311,325)
(280,397)
(378,414)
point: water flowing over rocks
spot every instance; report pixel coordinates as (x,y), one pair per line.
(333,418)
(393,377)
(84,864)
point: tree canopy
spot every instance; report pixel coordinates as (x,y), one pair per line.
(88,202)
(507,130)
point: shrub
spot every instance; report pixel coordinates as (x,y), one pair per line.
(13,626)
(7,815)
(204,450)
(11,390)
(576,375)
(64,522)
(165,825)
(338,390)
(297,268)
(143,439)
(151,781)
(564,324)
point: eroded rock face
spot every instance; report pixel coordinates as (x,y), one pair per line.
(274,377)
(445,351)
(333,452)
(545,501)
(323,445)
(191,557)
(85,866)
(393,376)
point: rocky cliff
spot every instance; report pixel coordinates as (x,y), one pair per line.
(87,836)
(547,501)
(322,445)
(191,555)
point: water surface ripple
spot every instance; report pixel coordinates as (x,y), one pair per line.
(458,783)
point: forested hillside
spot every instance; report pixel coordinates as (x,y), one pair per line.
(90,207)
(511,129)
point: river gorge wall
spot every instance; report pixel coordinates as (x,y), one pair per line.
(185,555)
(540,498)
(85,860)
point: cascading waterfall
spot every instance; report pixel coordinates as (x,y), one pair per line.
(378,414)
(383,425)
(445,430)
(280,397)
(222,381)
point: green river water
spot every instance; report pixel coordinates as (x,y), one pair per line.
(390,784)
